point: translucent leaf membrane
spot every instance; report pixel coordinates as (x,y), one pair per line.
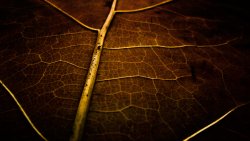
(44,57)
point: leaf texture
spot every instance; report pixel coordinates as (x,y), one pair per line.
(44,60)
(133,5)
(92,12)
(165,72)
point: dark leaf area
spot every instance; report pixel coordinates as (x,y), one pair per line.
(234,127)
(164,72)
(44,59)
(13,124)
(91,12)
(132,4)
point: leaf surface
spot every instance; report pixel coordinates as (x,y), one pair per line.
(44,61)
(165,72)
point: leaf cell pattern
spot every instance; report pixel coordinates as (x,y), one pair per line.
(164,73)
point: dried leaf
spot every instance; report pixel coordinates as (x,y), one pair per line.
(165,72)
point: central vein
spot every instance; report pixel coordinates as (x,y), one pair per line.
(83,107)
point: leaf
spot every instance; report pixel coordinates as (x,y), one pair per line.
(44,62)
(165,72)
(92,13)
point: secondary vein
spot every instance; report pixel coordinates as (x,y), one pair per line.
(73,18)
(23,111)
(213,123)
